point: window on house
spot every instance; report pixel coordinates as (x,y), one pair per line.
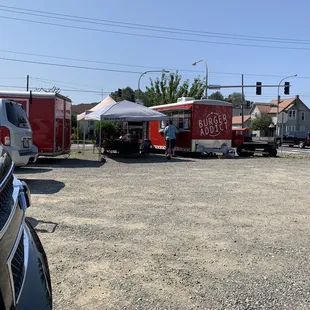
(302,128)
(292,114)
(290,128)
(303,114)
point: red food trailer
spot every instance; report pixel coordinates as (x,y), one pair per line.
(49,115)
(204,125)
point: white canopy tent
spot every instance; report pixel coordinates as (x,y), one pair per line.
(105,102)
(125,111)
(80,117)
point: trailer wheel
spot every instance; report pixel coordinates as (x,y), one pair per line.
(273,152)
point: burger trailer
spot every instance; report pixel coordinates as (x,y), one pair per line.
(205,126)
(49,115)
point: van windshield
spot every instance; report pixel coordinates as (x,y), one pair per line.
(16,115)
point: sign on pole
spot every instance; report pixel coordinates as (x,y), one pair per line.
(283,118)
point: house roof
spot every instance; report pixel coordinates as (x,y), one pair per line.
(263,108)
(82,107)
(285,104)
(238,119)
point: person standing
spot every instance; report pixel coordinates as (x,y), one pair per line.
(170,133)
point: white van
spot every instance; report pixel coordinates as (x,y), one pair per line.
(16,133)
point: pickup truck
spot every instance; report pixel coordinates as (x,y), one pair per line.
(291,138)
(24,274)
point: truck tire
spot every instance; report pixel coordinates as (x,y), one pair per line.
(244,153)
(273,152)
(301,144)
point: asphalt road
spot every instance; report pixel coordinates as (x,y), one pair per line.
(294,150)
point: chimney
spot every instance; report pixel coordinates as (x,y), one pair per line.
(297,97)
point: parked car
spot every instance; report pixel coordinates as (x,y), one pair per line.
(16,133)
(300,138)
(24,274)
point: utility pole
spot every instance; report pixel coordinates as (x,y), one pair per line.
(242,101)
(27,82)
(101,94)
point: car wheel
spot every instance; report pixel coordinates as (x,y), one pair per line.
(302,144)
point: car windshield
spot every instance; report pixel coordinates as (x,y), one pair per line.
(16,115)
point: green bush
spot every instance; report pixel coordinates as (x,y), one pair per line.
(109,129)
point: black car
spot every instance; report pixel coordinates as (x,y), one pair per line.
(24,274)
(300,138)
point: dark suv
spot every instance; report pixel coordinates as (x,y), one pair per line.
(24,274)
(300,138)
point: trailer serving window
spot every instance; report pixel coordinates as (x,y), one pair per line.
(181,119)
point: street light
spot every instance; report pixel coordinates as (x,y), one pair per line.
(278,107)
(194,64)
(165,71)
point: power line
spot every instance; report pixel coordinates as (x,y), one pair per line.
(181,32)
(62,89)
(67,66)
(156,37)
(92,19)
(144,67)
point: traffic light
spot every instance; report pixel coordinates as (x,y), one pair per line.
(248,105)
(119,93)
(287,88)
(258,88)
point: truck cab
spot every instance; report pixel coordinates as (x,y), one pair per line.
(16,133)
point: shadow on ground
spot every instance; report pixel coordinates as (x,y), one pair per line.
(149,159)
(31,170)
(67,163)
(42,186)
(42,226)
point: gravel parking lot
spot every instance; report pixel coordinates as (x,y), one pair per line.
(185,234)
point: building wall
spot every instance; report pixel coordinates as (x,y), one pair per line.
(298,120)
(89,127)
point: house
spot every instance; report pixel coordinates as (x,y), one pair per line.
(258,109)
(298,115)
(89,126)
(237,121)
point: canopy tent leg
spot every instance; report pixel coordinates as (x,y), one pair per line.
(84,137)
(99,148)
(77,135)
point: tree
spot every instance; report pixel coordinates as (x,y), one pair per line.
(127,94)
(73,120)
(235,99)
(216,96)
(261,123)
(142,97)
(169,88)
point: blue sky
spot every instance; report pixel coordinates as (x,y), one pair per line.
(275,19)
